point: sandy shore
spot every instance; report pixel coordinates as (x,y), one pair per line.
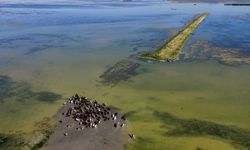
(69,135)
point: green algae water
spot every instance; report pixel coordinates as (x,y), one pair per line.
(51,50)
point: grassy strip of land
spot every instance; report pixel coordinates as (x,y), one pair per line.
(171,50)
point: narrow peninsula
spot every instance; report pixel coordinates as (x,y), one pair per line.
(171,50)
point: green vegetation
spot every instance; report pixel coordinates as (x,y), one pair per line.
(171,50)
(203,50)
(41,143)
(122,70)
(11,142)
(130,113)
(193,127)
(44,127)
(5,88)
(182,92)
(142,143)
(17,141)
(48,97)
(21,91)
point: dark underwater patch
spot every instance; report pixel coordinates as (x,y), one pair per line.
(152,98)
(5,88)
(49,97)
(22,92)
(121,71)
(244,52)
(16,141)
(193,127)
(11,142)
(39,48)
(141,143)
(39,41)
(244,17)
(154,41)
(45,128)
(8,42)
(130,113)
(202,50)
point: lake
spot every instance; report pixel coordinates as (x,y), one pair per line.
(52,50)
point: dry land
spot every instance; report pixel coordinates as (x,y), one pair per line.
(171,50)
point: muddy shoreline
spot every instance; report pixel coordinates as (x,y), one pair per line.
(68,134)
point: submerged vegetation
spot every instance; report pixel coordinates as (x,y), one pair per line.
(17,91)
(11,142)
(5,88)
(21,91)
(203,50)
(122,70)
(45,128)
(33,141)
(171,50)
(193,127)
(46,96)
(40,42)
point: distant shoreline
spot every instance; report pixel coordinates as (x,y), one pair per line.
(237,4)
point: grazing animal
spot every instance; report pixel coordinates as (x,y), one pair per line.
(132,136)
(89,114)
(123,118)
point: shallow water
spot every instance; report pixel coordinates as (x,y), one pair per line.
(64,47)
